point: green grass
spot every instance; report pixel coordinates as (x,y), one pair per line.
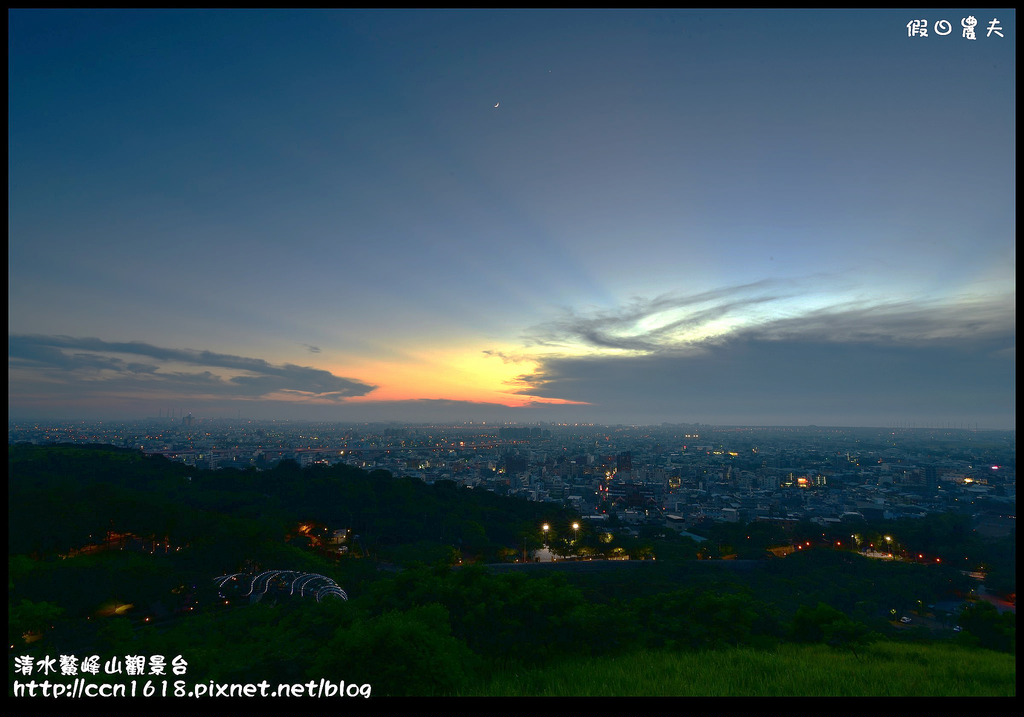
(883,669)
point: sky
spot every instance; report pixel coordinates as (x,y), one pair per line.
(614,216)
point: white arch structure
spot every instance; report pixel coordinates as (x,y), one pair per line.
(307,584)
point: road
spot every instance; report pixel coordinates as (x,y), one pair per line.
(595,565)
(1001,605)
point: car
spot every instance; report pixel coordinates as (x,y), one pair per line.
(904,619)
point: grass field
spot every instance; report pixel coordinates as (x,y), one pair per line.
(883,669)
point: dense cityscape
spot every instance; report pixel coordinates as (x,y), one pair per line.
(679,475)
(804,546)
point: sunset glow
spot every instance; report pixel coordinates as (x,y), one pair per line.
(331,215)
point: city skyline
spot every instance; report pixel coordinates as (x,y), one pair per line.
(724,217)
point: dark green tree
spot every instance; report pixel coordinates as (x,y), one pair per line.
(993,630)
(408,653)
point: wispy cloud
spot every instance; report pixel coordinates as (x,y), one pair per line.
(771,310)
(896,322)
(94,365)
(507,357)
(666,321)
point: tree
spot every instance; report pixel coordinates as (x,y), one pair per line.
(993,630)
(809,622)
(694,618)
(29,617)
(848,634)
(1002,579)
(409,653)
(823,623)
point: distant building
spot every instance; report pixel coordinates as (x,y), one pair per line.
(624,462)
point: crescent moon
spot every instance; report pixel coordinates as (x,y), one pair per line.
(496,104)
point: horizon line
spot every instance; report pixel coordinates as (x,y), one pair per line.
(949,426)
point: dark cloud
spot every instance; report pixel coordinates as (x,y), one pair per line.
(141,368)
(65,363)
(312,349)
(846,364)
(760,381)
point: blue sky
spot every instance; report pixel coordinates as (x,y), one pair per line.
(737,216)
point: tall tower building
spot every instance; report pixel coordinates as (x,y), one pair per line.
(624,461)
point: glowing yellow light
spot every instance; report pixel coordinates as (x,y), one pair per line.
(469,372)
